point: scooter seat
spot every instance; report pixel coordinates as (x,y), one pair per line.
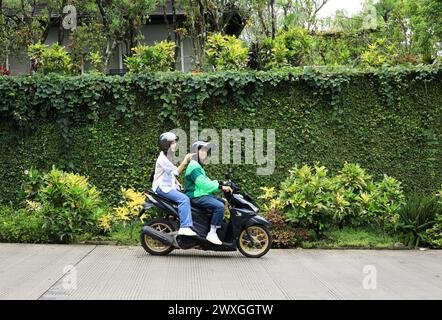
(164,199)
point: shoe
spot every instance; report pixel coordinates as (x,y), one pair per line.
(213,238)
(186,231)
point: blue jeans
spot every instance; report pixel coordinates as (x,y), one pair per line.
(183,205)
(214,204)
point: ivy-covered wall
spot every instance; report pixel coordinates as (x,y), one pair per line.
(387,120)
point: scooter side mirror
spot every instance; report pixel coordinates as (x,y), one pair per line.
(228,174)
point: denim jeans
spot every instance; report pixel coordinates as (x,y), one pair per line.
(183,205)
(214,204)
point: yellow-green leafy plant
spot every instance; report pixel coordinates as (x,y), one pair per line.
(311,199)
(97,61)
(288,48)
(307,196)
(226,52)
(129,207)
(379,53)
(433,236)
(297,41)
(284,235)
(271,54)
(69,204)
(159,57)
(351,190)
(50,59)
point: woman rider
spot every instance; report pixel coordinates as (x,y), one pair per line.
(166,184)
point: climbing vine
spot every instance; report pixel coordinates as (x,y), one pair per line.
(106,127)
(25,99)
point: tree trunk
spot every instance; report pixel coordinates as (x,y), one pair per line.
(273,17)
(166,21)
(60,25)
(177,37)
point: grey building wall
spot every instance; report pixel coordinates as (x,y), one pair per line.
(152,32)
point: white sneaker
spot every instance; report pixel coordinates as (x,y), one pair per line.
(186,231)
(213,237)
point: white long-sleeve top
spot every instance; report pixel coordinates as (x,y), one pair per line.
(165,172)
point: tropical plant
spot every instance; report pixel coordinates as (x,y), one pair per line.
(298,42)
(351,189)
(50,59)
(307,196)
(312,199)
(68,203)
(379,53)
(129,208)
(288,48)
(415,218)
(21,226)
(159,57)
(4,71)
(433,236)
(271,54)
(225,52)
(383,202)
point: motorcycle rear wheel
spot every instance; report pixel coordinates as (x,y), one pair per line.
(262,241)
(155,247)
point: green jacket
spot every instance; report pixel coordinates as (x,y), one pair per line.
(196,183)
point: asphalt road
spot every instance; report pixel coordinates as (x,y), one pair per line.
(111,272)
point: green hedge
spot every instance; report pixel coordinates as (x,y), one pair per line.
(387,120)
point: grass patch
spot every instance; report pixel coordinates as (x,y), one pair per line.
(352,238)
(333,239)
(121,234)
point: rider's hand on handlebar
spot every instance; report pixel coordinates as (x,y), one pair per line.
(227,189)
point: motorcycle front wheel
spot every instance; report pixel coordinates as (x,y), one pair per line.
(155,247)
(254,241)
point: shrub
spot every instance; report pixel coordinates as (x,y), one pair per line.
(48,59)
(439,196)
(69,204)
(307,196)
(289,48)
(159,57)
(350,191)
(4,71)
(284,236)
(433,236)
(271,54)
(415,218)
(129,208)
(379,53)
(311,199)
(226,52)
(21,226)
(298,42)
(383,202)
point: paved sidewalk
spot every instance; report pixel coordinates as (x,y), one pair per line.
(111,272)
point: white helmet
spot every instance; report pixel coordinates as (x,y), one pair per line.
(165,140)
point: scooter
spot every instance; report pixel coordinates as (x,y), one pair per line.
(246,231)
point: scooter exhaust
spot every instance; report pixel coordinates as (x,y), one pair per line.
(157,235)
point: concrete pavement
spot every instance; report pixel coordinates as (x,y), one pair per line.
(112,272)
